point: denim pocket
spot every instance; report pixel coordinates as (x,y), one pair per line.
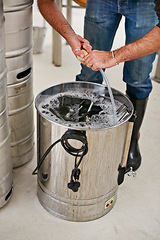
(145,15)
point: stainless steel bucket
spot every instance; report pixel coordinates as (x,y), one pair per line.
(19,60)
(5,148)
(97,193)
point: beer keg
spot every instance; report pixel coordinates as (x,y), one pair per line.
(6,178)
(19,44)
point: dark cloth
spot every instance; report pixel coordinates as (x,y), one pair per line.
(157,9)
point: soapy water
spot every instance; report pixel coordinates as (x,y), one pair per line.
(81,109)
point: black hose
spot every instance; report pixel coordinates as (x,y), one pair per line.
(69,134)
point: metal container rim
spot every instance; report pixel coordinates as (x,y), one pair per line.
(9,9)
(78,128)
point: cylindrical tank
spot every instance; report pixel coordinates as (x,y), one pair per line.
(18,29)
(19,61)
(6,178)
(20,101)
(97,192)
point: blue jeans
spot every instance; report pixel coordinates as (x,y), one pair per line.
(101,22)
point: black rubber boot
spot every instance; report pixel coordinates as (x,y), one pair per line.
(134,156)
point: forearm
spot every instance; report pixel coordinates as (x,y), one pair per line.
(53,15)
(146,45)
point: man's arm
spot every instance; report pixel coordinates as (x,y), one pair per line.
(53,15)
(146,45)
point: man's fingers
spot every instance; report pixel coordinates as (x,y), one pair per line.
(87,47)
(81,57)
(79,53)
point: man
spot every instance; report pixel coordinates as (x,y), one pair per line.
(101,22)
(148,44)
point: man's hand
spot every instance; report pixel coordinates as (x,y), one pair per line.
(83,47)
(99,59)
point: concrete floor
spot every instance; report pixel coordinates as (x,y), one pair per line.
(136,214)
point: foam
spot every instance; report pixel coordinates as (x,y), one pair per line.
(102,120)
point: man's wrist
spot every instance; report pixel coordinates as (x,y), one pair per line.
(114,58)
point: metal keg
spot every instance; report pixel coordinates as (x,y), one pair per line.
(19,67)
(75,185)
(20,101)
(6,178)
(19,61)
(5,151)
(18,28)
(16,4)
(2,44)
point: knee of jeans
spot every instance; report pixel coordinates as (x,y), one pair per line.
(137,72)
(89,75)
(139,93)
(93,79)
(139,88)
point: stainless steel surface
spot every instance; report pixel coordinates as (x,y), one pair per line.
(20,95)
(5,148)
(20,101)
(22,152)
(3,82)
(22,138)
(6,179)
(21,125)
(3,89)
(19,67)
(3,116)
(3,63)
(4,131)
(16,5)
(2,45)
(3,102)
(19,43)
(99,167)
(18,31)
